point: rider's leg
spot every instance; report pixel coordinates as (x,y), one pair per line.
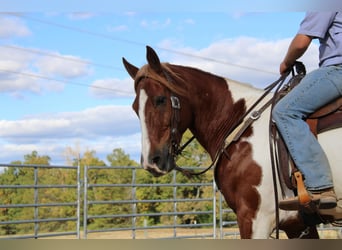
(315,90)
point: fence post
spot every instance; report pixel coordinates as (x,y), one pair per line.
(221,219)
(36,224)
(85,201)
(214,209)
(78,213)
(174,204)
(134,204)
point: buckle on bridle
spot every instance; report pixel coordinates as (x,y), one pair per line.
(255,115)
(175,103)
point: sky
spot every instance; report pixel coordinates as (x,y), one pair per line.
(62,82)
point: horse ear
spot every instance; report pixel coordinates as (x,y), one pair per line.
(153,59)
(131,69)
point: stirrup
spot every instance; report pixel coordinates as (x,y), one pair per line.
(303,201)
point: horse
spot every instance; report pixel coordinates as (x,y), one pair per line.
(172,98)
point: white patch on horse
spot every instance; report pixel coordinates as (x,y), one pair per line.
(264,219)
(145,142)
(245,91)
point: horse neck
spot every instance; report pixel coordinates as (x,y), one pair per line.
(221,104)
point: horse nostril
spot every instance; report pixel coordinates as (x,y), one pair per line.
(156,160)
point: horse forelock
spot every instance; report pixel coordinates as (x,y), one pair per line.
(174,84)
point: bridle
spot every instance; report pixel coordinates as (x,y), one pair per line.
(175,119)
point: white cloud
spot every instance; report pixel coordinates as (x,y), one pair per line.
(13,59)
(13,27)
(56,148)
(15,82)
(111,88)
(245,59)
(27,70)
(89,123)
(62,66)
(101,128)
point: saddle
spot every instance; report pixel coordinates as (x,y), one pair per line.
(326,118)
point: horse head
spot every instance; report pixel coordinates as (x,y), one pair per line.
(164,115)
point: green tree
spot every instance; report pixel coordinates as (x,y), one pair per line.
(120,159)
(7,197)
(35,159)
(108,177)
(20,176)
(89,158)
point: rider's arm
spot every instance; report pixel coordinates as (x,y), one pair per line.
(297,48)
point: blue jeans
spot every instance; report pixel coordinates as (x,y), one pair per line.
(316,89)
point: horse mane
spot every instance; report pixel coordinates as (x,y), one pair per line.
(168,78)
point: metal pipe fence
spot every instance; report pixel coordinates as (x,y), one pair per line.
(138,221)
(37,205)
(83,217)
(82,204)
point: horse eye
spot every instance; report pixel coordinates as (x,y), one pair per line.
(159,100)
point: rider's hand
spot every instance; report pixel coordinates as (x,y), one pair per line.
(284,68)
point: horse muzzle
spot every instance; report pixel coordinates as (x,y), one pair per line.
(159,163)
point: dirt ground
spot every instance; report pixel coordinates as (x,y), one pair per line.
(185,233)
(155,234)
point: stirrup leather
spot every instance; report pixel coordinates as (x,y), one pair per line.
(303,195)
